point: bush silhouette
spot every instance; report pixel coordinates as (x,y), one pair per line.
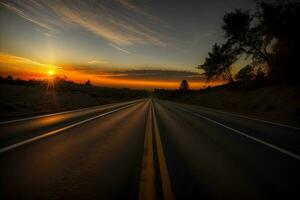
(184,86)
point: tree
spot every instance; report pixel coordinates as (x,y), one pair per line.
(250,72)
(249,38)
(271,36)
(219,62)
(88,83)
(9,78)
(280,20)
(184,86)
(245,74)
(260,74)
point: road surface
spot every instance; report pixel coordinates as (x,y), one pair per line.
(148,149)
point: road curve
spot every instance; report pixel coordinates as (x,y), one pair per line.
(148,149)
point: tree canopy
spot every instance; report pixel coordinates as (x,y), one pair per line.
(184,85)
(270,37)
(219,62)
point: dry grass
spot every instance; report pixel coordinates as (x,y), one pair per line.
(19,100)
(277,103)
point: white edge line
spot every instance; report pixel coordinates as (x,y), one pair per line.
(65,112)
(246,117)
(293,155)
(10,147)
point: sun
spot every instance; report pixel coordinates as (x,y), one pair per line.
(51,72)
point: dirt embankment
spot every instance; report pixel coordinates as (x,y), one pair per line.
(276,103)
(18,100)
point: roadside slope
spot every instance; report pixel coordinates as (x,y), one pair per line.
(21,100)
(277,103)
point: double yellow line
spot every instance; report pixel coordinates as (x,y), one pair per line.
(147,189)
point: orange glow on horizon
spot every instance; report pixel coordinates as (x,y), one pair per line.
(150,84)
(25,68)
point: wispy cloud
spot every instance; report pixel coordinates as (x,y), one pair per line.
(155,74)
(131,6)
(123,50)
(111,20)
(93,62)
(24,67)
(119,48)
(16,60)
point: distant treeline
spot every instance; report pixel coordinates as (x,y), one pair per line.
(269,38)
(32,82)
(19,98)
(11,81)
(237,86)
(62,84)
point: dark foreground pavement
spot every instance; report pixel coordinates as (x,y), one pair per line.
(131,150)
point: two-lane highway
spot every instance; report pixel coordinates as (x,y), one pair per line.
(148,149)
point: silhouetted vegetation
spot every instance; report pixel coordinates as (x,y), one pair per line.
(219,62)
(184,85)
(268,86)
(270,37)
(11,81)
(88,83)
(28,97)
(250,73)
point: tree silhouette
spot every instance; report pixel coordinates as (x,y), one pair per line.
(251,40)
(9,78)
(219,62)
(271,36)
(184,86)
(245,74)
(88,83)
(260,74)
(280,20)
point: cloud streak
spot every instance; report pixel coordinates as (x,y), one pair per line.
(24,67)
(93,62)
(123,50)
(110,20)
(7,59)
(119,48)
(131,6)
(155,74)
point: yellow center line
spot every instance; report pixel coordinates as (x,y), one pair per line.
(165,178)
(147,182)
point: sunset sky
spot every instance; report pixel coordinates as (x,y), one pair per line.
(117,43)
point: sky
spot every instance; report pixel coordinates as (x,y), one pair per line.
(114,43)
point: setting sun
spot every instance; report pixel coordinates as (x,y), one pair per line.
(51,72)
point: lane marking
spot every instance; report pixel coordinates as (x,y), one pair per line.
(286,152)
(147,181)
(30,140)
(69,111)
(147,188)
(165,178)
(246,117)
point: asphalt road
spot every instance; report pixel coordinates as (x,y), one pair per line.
(148,149)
